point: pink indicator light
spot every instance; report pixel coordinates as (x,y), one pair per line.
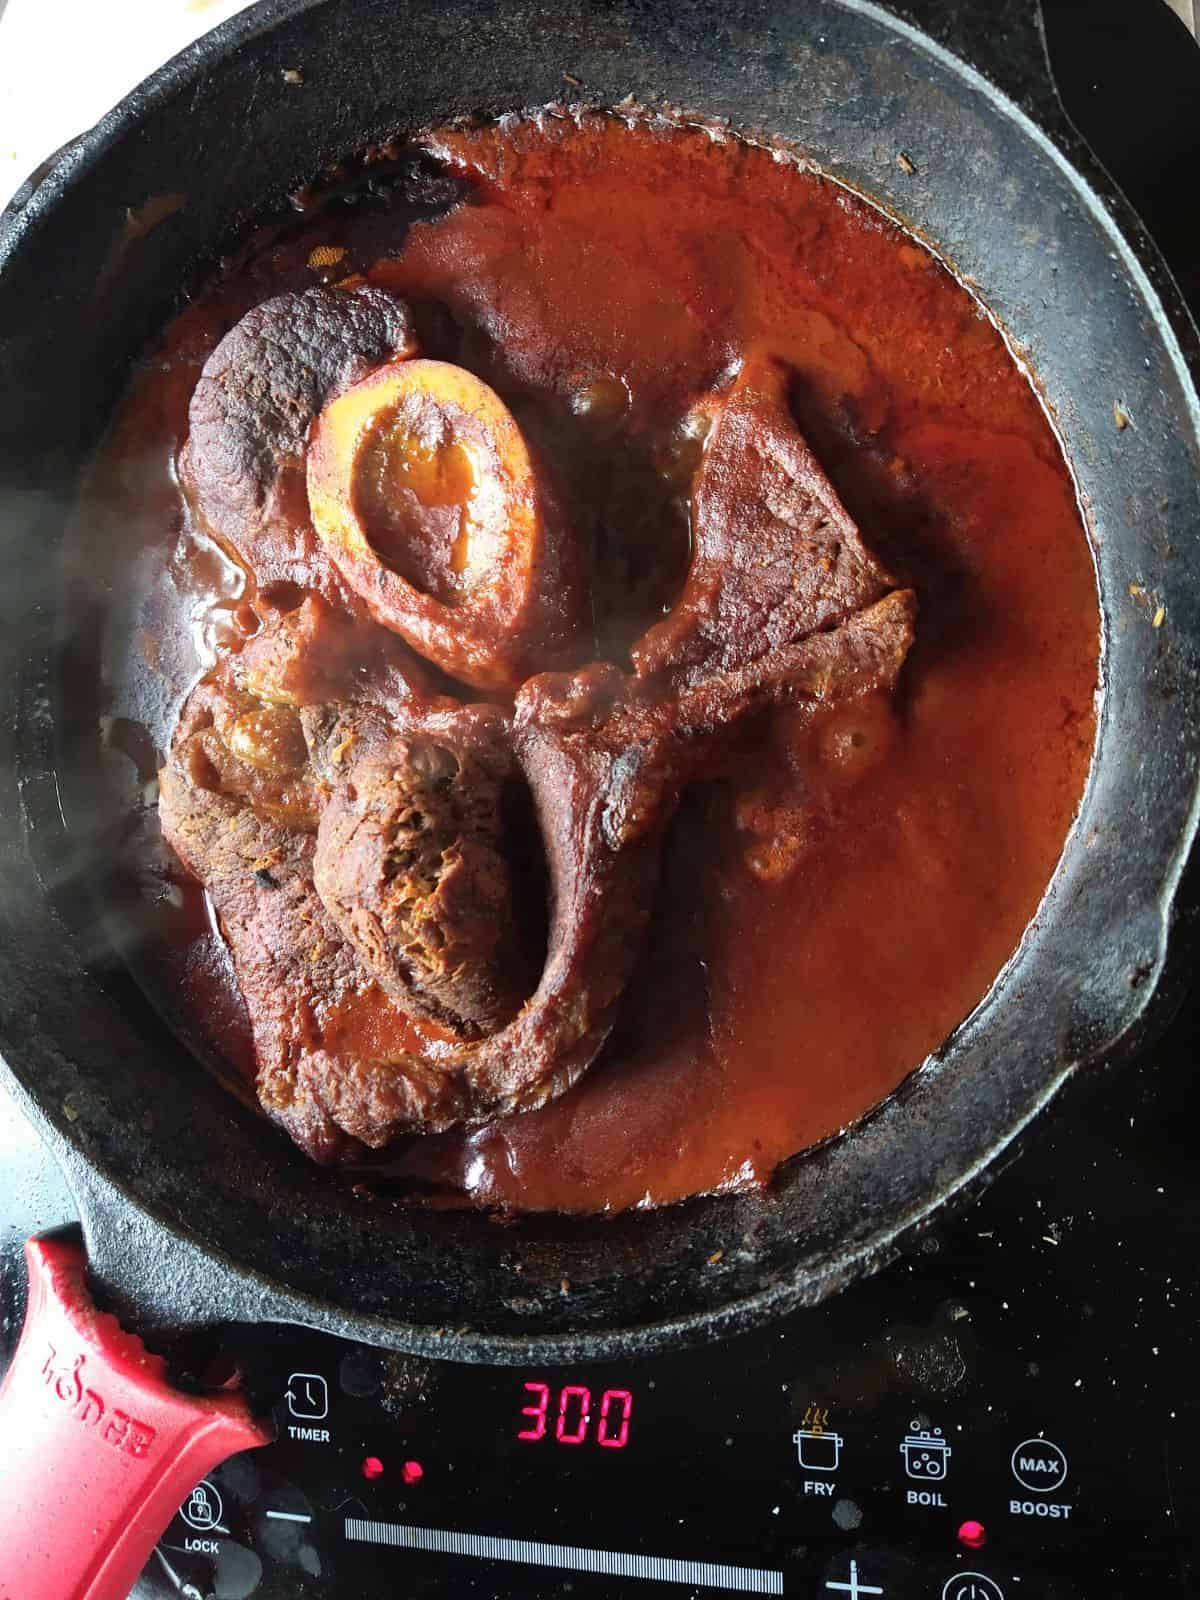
(372,1467)
(973,1535)
(412,1472)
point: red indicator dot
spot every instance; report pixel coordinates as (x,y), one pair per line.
(412,1472)
(372,1467)
(973,1535)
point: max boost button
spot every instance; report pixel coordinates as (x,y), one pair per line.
(1039,1465)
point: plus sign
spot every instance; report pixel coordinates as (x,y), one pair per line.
(854,1588)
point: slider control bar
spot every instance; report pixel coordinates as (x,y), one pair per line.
(613,1563)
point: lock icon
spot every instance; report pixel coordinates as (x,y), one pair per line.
(202,1509)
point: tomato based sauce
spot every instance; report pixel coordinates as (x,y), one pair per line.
(836,904)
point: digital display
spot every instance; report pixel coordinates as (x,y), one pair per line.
(568,1416)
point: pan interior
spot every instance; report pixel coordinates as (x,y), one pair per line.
(755,1024)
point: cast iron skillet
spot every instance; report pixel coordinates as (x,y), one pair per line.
(199,1212)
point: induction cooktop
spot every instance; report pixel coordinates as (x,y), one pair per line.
(1009,1412)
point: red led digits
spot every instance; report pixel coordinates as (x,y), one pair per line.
(613,1399)
(537,1412)
(573,1416)
(563,1431)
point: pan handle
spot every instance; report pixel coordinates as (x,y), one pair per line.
(99,1449)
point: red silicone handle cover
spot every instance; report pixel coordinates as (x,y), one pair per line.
(97,1450)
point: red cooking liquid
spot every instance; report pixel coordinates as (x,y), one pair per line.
(828,917)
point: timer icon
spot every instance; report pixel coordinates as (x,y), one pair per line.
(308,1396)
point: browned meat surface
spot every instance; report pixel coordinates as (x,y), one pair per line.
(605,782)
(248,750)
(293,967)
(410,863)
(775,553)
(243,464)
(316,656)
(402,906)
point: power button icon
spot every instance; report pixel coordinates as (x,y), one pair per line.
(971,1586)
